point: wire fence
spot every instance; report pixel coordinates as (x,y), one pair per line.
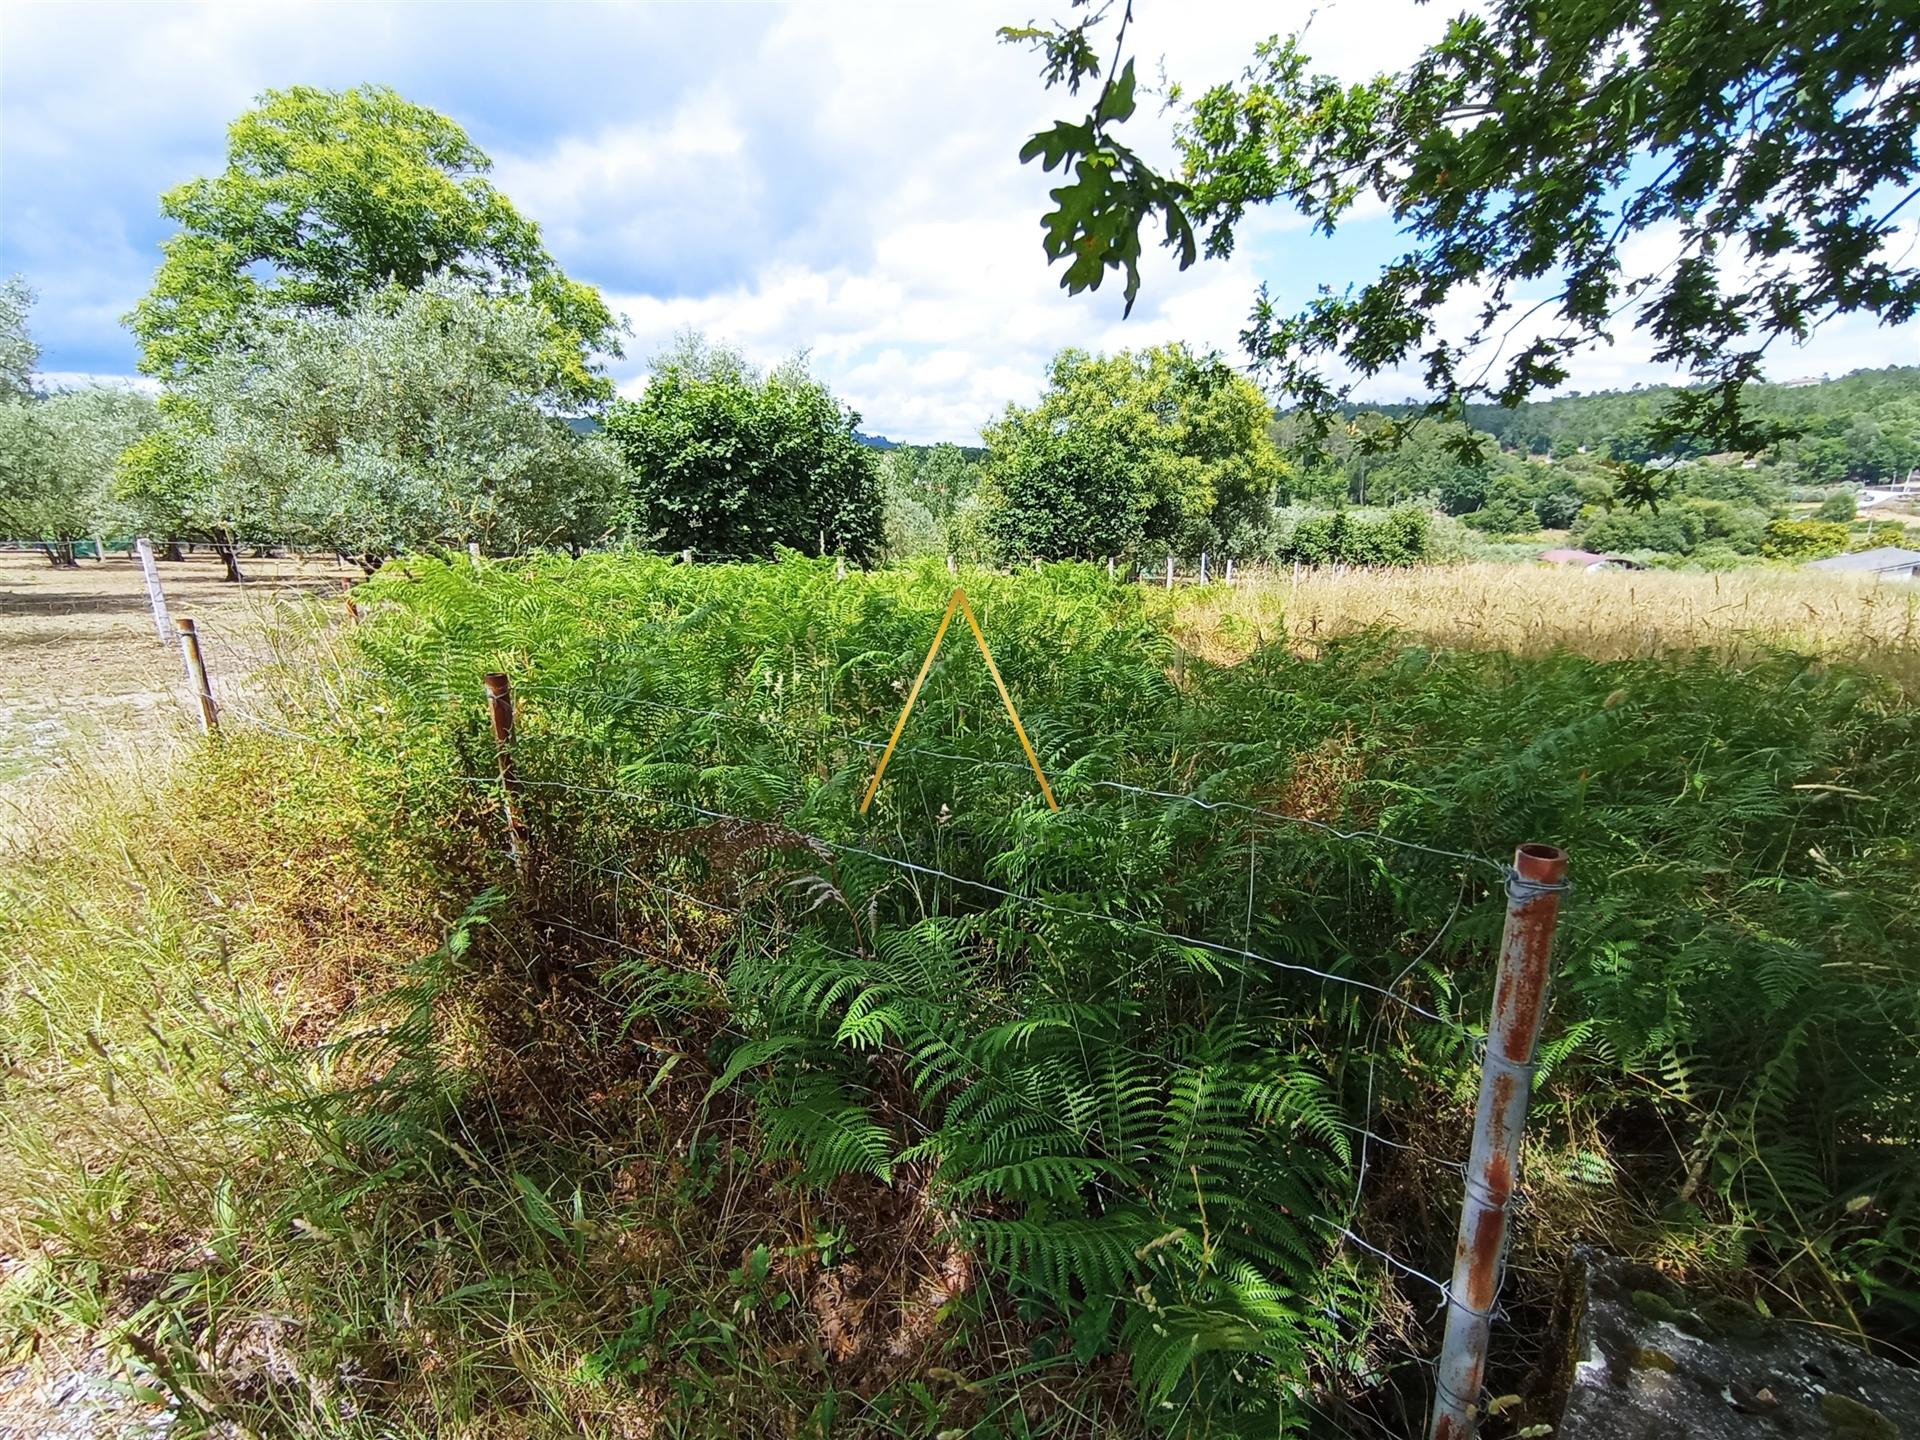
(595,913)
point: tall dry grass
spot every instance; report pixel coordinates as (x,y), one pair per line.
(1605,615)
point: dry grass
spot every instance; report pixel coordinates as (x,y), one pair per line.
(81,671)
(1608,615)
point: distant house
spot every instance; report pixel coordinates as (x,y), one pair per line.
(1588,560)
(1889,562)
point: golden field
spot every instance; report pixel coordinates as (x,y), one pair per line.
(1606,615)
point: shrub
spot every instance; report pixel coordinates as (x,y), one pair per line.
(733,463)
(1673,529)
(1841,505)
(1139,452)
(1557,510)
(1401,536)
(1804,539)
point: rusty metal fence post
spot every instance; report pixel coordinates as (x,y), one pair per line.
(197,675)
(500,710)
(1534,887)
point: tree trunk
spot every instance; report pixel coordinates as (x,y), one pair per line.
(229,553)
(60,554)
(172,552)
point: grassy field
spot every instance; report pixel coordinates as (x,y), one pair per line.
(738,1112)
(1602,615)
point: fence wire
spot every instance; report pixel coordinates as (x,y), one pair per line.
(1344,1227)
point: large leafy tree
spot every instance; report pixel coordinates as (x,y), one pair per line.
(1141,451)
(1770,146)
(727,461)
(418,418)
(329,196)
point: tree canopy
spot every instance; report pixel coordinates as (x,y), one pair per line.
(415,419)
(18,354)
(1150,450)
(731,462)
(329,196)
(1770,147)
(57,455)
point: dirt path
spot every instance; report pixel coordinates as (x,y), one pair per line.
(82,672)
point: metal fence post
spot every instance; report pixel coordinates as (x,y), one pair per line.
(1534,887)
(155,598)
(500,710)
(197,675)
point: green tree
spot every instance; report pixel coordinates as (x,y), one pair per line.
(1507,510)
(330,196)
(728,461)
(1525,152)
(18,354)
(1140,451)
(1841,505)
(418,418)
(1804,539)
(57,457)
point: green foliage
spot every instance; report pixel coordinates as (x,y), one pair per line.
(57,458)
(1397,537)
(1804,539)
(1133,1129)
(329,197)
(1134,453)
(19,356)
(416,418)
(732,463)
(927,491)
(1532,142)
(1507,509)
(1841,505)
(1862,428)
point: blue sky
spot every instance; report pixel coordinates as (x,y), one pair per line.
(836,178)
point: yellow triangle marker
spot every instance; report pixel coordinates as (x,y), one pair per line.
(959,602)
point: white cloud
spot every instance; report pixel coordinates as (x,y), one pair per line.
(833,177)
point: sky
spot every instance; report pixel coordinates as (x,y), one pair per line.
(835,178)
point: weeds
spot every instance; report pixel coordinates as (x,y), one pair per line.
(725,1119)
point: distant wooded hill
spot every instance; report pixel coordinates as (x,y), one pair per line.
(1864,426)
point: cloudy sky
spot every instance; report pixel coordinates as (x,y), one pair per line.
(836,178)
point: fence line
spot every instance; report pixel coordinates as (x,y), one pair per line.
(1065,772)
(1469,1298)
(819,842)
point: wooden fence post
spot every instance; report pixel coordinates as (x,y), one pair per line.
(197,675)
(500,711)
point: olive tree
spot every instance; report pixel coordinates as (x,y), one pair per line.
(418,418)
(57,457)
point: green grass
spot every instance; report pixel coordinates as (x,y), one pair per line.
(339,1126)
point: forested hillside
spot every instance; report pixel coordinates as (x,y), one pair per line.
(1862,427)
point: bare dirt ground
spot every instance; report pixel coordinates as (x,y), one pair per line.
(82,671)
